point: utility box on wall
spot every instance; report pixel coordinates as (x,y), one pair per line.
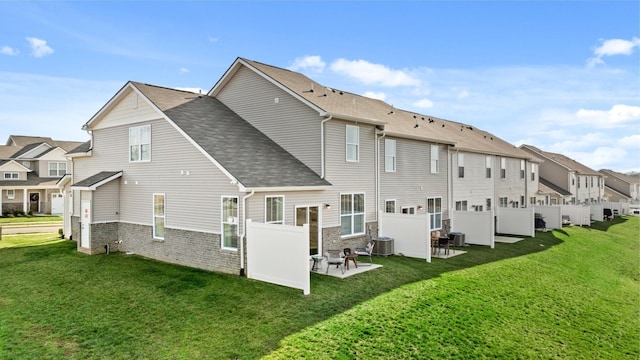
(383,246)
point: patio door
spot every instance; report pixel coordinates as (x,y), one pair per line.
(310,215)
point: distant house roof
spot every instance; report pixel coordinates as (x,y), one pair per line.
(82,148)
(544,182)
(21,141)
(250,156)
(348,106)
(624,177)
(563,160)
(611,191)
(32,180)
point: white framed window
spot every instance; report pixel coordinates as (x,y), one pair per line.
(11,194)
(11,176)
(158,216)
(140,143)
(460,165)
(533,172)
(488,203)
(522,167)
(390,206)
(503,168)
(274,209)
(478,207)
(57,169)
(487,165)
(353,143)
(229,222)
(408,210)
(461,205)
(352,214)
(504,201)
(389,155)
(434,209)
(435,159)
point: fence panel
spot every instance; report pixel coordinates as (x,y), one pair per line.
(410,233)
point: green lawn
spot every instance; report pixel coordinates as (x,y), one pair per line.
(30,220)
(570,294)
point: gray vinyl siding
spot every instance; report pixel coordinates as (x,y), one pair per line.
(347,176)
(556,174)
(108,200)
(292,199)
(475,187)
(290,123)
(512,186)
(43,167)
(192,201)
(413,182)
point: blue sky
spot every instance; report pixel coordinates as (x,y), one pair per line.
(560,75)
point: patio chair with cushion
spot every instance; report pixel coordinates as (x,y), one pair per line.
(334,257)
(365,251)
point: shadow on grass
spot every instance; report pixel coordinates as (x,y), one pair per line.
(252,316)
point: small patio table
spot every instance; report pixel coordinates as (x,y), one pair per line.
(317,262)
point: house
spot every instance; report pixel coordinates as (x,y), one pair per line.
(585,185)
(173,175)
(621,187)
(30,168)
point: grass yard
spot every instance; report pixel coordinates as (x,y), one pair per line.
(568,294)
(30,220)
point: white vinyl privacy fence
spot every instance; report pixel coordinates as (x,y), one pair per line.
(279,254)
(552,216)
(578,214)
(410,233)
(516,221)
(477,226)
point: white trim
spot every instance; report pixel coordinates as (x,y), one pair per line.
(320,211)
(282,206)
(223,222)
(395,206)
(98,184)
(154,216)
(352,214)
(347,143)
(139,128)
(390,166)
(12,196)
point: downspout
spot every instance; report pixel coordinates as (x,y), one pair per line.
(322,161)
(377,167)
(244,230)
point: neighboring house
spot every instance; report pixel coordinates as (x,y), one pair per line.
(174,175)
(550,194)
(626,186)
(29,169)
(585,184)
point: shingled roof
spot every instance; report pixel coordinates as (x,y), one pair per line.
(563,160)
(250,156)
(346,105)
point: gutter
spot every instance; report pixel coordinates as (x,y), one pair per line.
(244,230)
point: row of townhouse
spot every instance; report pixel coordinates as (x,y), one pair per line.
(174,175)
(30,168)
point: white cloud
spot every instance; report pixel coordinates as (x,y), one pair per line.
(375,95)
(631,142)
(423,103)
(183,70)
(213,39)
(618,115)
(370,73)
(7,50)
(613,47)
(39,47)
(313,63)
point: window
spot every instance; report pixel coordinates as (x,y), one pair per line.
(478,207)
(460,165)
(158,216)
(461,205)
(11,176)
(487,165)
(351,214)
(140,143)
(435,159)
(57,169)
(390,206)
(409,210)
(578,182)
(488,204)
(504,201)
(230,222)
(503,168)
(522,167)
(434,208)
(533,172)
(532,200)
(522,201)
(11,194)
(353,143)
(389,155)
(274,209)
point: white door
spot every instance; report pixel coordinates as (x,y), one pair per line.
(310,215)
(85,232)
(57,204)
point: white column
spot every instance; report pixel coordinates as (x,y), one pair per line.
(25,200)
(1,192)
